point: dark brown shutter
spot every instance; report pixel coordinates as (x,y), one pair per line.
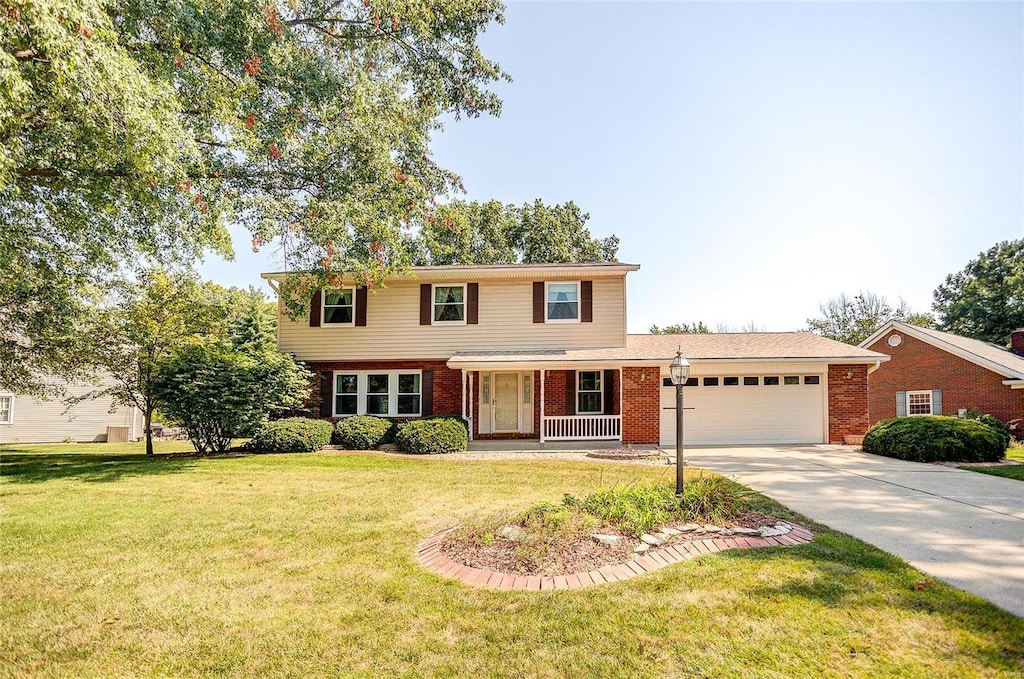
(609,392)
(361,306)
(570,392)
(538,301)
(314,309)
(587,301)
(426,290)
(326,394)
(472,303)
(427,393)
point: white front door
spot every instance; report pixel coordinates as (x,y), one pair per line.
(505,402)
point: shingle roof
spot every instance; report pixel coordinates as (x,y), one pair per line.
(969,348)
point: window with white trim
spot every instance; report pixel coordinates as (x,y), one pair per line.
(588,392)
(563,302)
(450,304)
(6,409)
(339,307)
(919,403)
(378,392)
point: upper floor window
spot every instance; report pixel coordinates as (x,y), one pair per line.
(450,303)
(919,403)
(339,307)
(588,392)
(6,409)
(563,302)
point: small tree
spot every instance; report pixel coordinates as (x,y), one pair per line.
(680,329)
(852,320)
(218,392)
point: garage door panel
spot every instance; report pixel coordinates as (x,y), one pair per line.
(746,414)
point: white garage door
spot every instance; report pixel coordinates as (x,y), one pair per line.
(746,409)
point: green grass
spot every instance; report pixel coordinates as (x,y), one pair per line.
(1014,472)
(304,565)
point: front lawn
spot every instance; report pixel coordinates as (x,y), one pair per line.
(116,565)
(1011,472)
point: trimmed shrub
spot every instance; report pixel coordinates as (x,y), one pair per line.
(291,435)
(994,422)
(935,438)
(363,432)
(433,435)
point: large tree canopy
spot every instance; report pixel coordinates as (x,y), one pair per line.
(130,128)
(852,320)
(493,233)
(986,299)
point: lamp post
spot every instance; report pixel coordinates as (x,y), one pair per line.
(679,369)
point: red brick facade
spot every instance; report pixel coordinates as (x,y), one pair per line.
(847,401)
(641,400)
(917,365)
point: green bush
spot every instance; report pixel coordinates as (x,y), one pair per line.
(994,422)
(363,432)
(291,435)
(935,438)
(432,435)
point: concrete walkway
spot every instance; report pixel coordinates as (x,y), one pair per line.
(961,527)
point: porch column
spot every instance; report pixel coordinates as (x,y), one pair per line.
(621,418)
(464,396)
(472,397)
(542,380)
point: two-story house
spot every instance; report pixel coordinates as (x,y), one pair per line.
(540,351)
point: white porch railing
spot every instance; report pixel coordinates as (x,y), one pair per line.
(582,428)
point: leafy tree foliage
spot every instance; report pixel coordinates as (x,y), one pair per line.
(218,392)
(853,320)
(493,233)
(986,299)
(143,326)
(680,329)
(134,130)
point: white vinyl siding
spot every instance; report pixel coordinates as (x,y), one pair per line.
(505,322)
(37,421)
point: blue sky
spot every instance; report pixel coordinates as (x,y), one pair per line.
(756,158)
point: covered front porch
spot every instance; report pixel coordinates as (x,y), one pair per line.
(554,397)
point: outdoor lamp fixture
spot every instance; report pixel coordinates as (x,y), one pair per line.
(679,369)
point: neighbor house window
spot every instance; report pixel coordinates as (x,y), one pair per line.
(7,409)
(588,392)
(339,307)
(563,302)
(391,393)
(919,403)
(450,303)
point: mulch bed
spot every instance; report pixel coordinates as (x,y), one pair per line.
(578,556)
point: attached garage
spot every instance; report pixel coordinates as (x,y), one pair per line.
(755,407)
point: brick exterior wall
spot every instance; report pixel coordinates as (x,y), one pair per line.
(641,401)
(919,366)
(847,401)
(447,382)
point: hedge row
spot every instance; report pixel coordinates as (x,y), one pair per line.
(291,435)
(935,438)
(426,436)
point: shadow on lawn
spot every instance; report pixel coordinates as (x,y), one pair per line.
(95,468)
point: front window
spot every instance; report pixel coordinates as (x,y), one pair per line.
(563,302)
(588,393)
(339,307)
(919,403)
(449,304)
(388,394)
(6,409)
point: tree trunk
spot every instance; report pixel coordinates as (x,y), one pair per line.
(147,422)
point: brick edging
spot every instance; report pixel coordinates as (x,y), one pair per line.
(431,558)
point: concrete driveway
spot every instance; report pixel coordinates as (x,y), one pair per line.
(961,527)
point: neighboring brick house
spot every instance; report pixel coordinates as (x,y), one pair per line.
(939,373)
(540,351)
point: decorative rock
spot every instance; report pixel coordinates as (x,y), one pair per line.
(651,540)
(770,532)
(784,527)
(712,528)
(687,527)
(725,531)
(662,535)
(641,548)
(509,532)
(669,531)
(606,540)
(746,531)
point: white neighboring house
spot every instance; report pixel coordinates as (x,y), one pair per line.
(25,419)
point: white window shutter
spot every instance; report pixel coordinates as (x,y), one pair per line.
(937,402)
(901,404)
